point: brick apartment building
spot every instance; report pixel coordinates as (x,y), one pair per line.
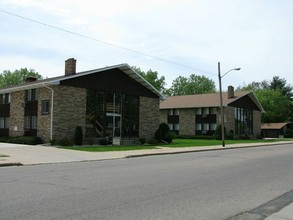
(113,102)
(200,114)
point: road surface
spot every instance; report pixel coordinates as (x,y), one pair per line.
(202,185)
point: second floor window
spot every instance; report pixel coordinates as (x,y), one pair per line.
(5,98)
(31,95)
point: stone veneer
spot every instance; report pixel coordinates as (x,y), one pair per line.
(16,119)
(164,116)
(44,120)
(256,123)
(69,111)
(187,121)
(149,117)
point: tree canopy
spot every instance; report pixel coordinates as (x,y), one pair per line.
(153,78)
(194,84)
(8,78)
(276,98)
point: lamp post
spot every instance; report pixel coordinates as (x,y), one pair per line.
(221,101)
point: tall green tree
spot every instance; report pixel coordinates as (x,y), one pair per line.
(278,83)
(194,84)
(8,78)
(277,106)
(153,78)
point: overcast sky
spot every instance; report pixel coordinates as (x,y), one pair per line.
(256,35)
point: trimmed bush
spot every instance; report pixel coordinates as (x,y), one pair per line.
(29,140)
(153,141)
(141,141)
(104,141)
(218,132)
(163,133)
(65,142)
(78,136)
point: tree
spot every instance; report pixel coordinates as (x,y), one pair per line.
(277,106)
(153,78)
(278,83)
(193,85)
(8,78)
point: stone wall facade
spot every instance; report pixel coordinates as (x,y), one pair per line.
(44,120)
(256,123)
(69,111)
(149,117)
(16,123)
(187,122)
(164,116)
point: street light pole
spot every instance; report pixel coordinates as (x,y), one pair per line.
(221,101)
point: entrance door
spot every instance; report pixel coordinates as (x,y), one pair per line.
(114,118)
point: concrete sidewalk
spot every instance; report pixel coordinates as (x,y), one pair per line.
(284,214)
(30,155)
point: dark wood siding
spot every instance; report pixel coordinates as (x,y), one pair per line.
(212,118)
(173,119)
(245,102)
(4,132)
(113,80)
(4,110)
(31,108)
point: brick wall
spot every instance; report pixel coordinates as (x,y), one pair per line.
(187,121)
(256,123)
(44,120)
(69,111)
(16,122)
(149,117)
(163,116)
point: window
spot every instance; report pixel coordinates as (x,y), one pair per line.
(198,127)
(31,95)
(4,122)
(170,111)
(45,107)
(30,122)
(5,98)
(198,111)
(243,121)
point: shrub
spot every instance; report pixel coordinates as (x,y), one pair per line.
(289,133)
(53,142)
(30,140)
(158,135)
(218,132)
(163,133)
(141,141)
(78,136)
(104,141)
(65,142)
(153,141)
(230,136)
(164,127)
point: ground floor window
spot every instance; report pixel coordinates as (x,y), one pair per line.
(243,121)
(30,122)
(4,122)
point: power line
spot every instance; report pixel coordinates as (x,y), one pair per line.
(103,42)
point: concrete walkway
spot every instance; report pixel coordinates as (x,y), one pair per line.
(284,214)
(14,155)
(29,155)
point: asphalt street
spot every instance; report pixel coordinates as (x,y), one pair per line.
(202,185)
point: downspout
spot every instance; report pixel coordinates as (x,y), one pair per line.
(52,105)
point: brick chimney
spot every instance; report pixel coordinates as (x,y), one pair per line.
(30,79)
(231,92)
(70,67)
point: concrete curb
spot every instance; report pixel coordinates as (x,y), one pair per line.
(203,150)
(9,164)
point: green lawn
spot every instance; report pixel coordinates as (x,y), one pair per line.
(176,143)
(3,155)
(204,142)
